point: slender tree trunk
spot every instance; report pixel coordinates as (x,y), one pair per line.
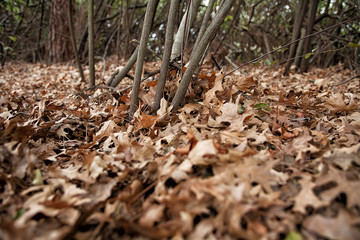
(91,43)
(73,40)
(307,42)
(169,38)
(40,30)
(150,13)
(198,52)
(204,22)
(119,30)
(299,18)
(184,28)
(299,49)
(130,63)
(267,46)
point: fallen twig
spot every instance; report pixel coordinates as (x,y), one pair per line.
(346,81)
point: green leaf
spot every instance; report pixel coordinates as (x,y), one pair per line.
(293,236)
(275,61)
(308,55)
(262,106)
(280,49)
(228,18)
(13,38)
(7,48)
(38,180)
(354,45)
(245,28)
(19,213)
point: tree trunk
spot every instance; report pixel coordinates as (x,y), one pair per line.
(267,46)
(41,26)
(184,28)
(73,40)
(59,41)
(299,49)
(198,52)
(299,18)
(130,63)
(91,43)
(150,13)
(169,37)
(307,42)
(204,22)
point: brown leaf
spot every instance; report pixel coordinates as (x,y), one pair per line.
(350,188)
(147,121)
(210,96)
(231,116)
(306,197)
(245,84)
(344,226)
(336,103)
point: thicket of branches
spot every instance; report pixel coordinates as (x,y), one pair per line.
(250,29)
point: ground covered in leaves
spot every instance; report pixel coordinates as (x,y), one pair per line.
(254,155)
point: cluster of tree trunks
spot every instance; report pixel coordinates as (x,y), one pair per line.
(173,23)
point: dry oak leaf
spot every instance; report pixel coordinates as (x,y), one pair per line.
(153,213)
(336,103)
(204,152)
(233,216)
(204,230)
(192,142)
(146,121)
(306,196)
(350,188)
(245,84)
(342,227)
(344,157)
(231,116)
(107,129)
(210,96)
(298,144)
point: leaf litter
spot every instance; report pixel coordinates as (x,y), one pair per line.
(257,156)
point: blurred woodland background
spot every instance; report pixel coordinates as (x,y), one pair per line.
(34,31)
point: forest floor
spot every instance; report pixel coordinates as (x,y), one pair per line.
(251,156)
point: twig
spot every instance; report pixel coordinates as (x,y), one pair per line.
(215,62)
(346,81)
(234,65)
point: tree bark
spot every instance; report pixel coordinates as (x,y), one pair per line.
(149,15)
(130,63)
(91,42)
(299,49)
(73,40)
(198,52)
(307,42)
(267,46)
(41,26)
(204,22)
(299,18)
(185,22)
(169,38)
(59,42)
